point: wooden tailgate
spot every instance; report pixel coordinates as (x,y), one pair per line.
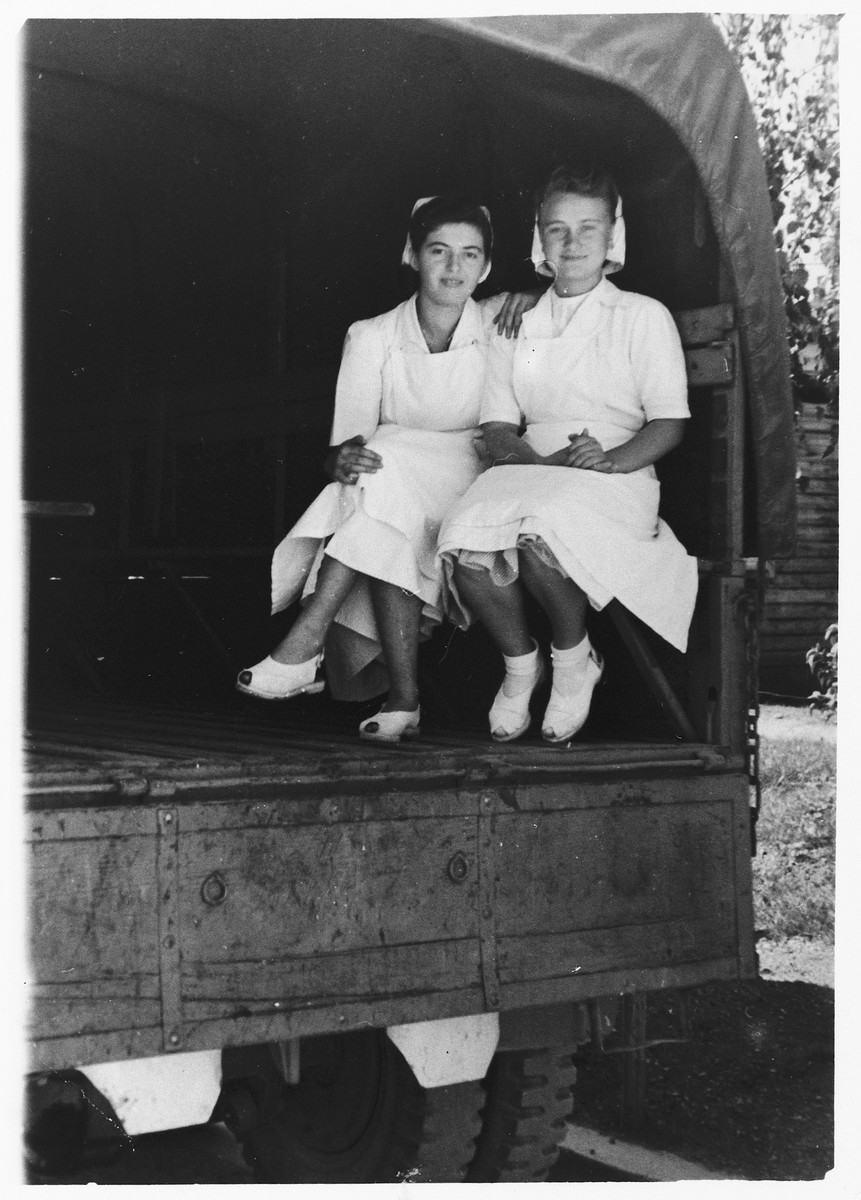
(187,925)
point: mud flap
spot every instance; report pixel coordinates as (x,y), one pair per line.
(453,1050)
(162,1092)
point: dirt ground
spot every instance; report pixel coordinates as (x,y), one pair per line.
(744,1082)
(747,1091)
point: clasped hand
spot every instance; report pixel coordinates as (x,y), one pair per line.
(584,452)
(345,463)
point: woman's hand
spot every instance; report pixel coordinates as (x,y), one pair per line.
(345,463)
(586,453)
(559,458)
(583,452)
(509,317)
(482,449)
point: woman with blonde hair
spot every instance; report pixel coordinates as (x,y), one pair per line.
(575,414)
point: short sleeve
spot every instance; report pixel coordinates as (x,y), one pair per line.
(658,363)
(490,306)
(359,390)
(498,402)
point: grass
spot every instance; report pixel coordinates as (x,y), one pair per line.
(794,867)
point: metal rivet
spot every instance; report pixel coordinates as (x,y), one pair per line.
(167,817)
(458,867)
(213,889)
(174,1039)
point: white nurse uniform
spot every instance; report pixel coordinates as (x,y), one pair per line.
(419,411)
(614,366)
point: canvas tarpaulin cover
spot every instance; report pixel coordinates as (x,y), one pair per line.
(339,125)
(679,66)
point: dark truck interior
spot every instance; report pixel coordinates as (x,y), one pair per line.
(208,206)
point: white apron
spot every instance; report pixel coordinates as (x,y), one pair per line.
(386,525)
(603,530)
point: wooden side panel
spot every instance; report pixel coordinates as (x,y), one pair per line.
(710,365)
(330,978)
(93,933)
(617,888)
(216,929)
(698,326)
(337,888)
(801,597)
(626,948)
(613,867)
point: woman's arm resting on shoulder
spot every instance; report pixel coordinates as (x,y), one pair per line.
(654,440)
(515,304)
(346,462)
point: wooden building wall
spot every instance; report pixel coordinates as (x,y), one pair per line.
(801,596)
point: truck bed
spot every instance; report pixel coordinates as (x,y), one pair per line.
(104,753)
(207,878)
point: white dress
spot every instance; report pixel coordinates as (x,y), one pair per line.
(419,411)
(617,364)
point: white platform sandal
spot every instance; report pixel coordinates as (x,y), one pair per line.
(271,680)
(509,713)
(391,726)
(574,680)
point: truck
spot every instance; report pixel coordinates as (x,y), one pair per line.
(372,962)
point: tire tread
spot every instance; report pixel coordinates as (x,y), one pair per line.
(528,1099)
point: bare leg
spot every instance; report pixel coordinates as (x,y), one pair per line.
(500,609)
(576,667)
(397,615)
(309,630)
(561,598)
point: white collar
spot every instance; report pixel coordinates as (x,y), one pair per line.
(538,322)
(468,329)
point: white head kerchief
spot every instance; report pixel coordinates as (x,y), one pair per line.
(407,258)
(615,251)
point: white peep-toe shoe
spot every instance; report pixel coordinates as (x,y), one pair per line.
(271,680)
(509,714)
(571,697)
(391,726)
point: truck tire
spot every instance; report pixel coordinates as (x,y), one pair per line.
(358,1115)
(68,1125)
(55,1122)
(528,1098)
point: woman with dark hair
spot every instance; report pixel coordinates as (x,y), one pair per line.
(403,450)
(569,512)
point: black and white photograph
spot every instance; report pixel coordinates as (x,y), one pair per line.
(429,537)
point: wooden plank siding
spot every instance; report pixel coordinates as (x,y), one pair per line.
(801,594)
(196,906)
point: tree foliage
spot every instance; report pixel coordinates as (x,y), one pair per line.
(789,65)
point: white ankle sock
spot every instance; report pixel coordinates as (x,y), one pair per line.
(574,654)
(520,672)
(569,666)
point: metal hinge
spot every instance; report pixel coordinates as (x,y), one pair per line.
(750,604)
(487,900)
(169,962)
